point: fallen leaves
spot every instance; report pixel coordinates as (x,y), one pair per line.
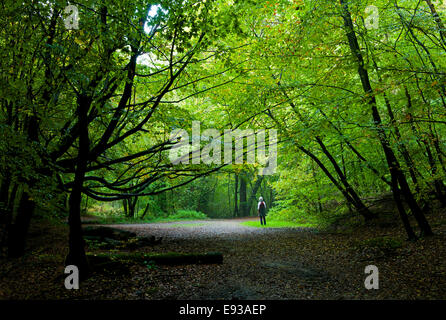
(258,264)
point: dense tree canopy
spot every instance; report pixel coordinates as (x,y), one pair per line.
(355,90)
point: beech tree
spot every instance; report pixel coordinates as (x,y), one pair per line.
(88,108)
(102,88)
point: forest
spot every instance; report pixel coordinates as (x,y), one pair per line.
(141,140)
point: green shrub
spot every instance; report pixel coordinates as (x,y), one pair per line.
(104,210)
(188,214)
(154,209)
(292,214)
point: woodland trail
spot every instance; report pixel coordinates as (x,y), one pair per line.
(288,263)
(223,229)
(259,263)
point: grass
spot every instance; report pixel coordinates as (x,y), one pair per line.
(181,214)
(277,224)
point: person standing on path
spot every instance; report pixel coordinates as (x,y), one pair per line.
(261,209)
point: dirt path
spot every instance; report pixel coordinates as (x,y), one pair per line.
(287,263)
(222,229)
(259,263)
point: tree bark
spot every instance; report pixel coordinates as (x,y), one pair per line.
(4,191)
(344,192)
(243,191)
(125,206)
(253,197)
(19,229)
(9,211)
(132,206)
(4,213)
(236,213)
(393,164)
(438,21)
(76,255)
(145,210)
(402,147)
(359,205)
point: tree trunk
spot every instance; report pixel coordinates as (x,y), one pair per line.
(229,192)
(316,181)
(243,192)
(145,210)
(132,206)
(400,142)
(392,162)
(19,229)
(4,191)
(402,212)
(4,213)
(352,197)
(423,144)
(125,206)
(76,255)
(235,196)
(344,192)
(253,198)
(359,205)
(271,197)
(9,211)
(355,151)
(438,21)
